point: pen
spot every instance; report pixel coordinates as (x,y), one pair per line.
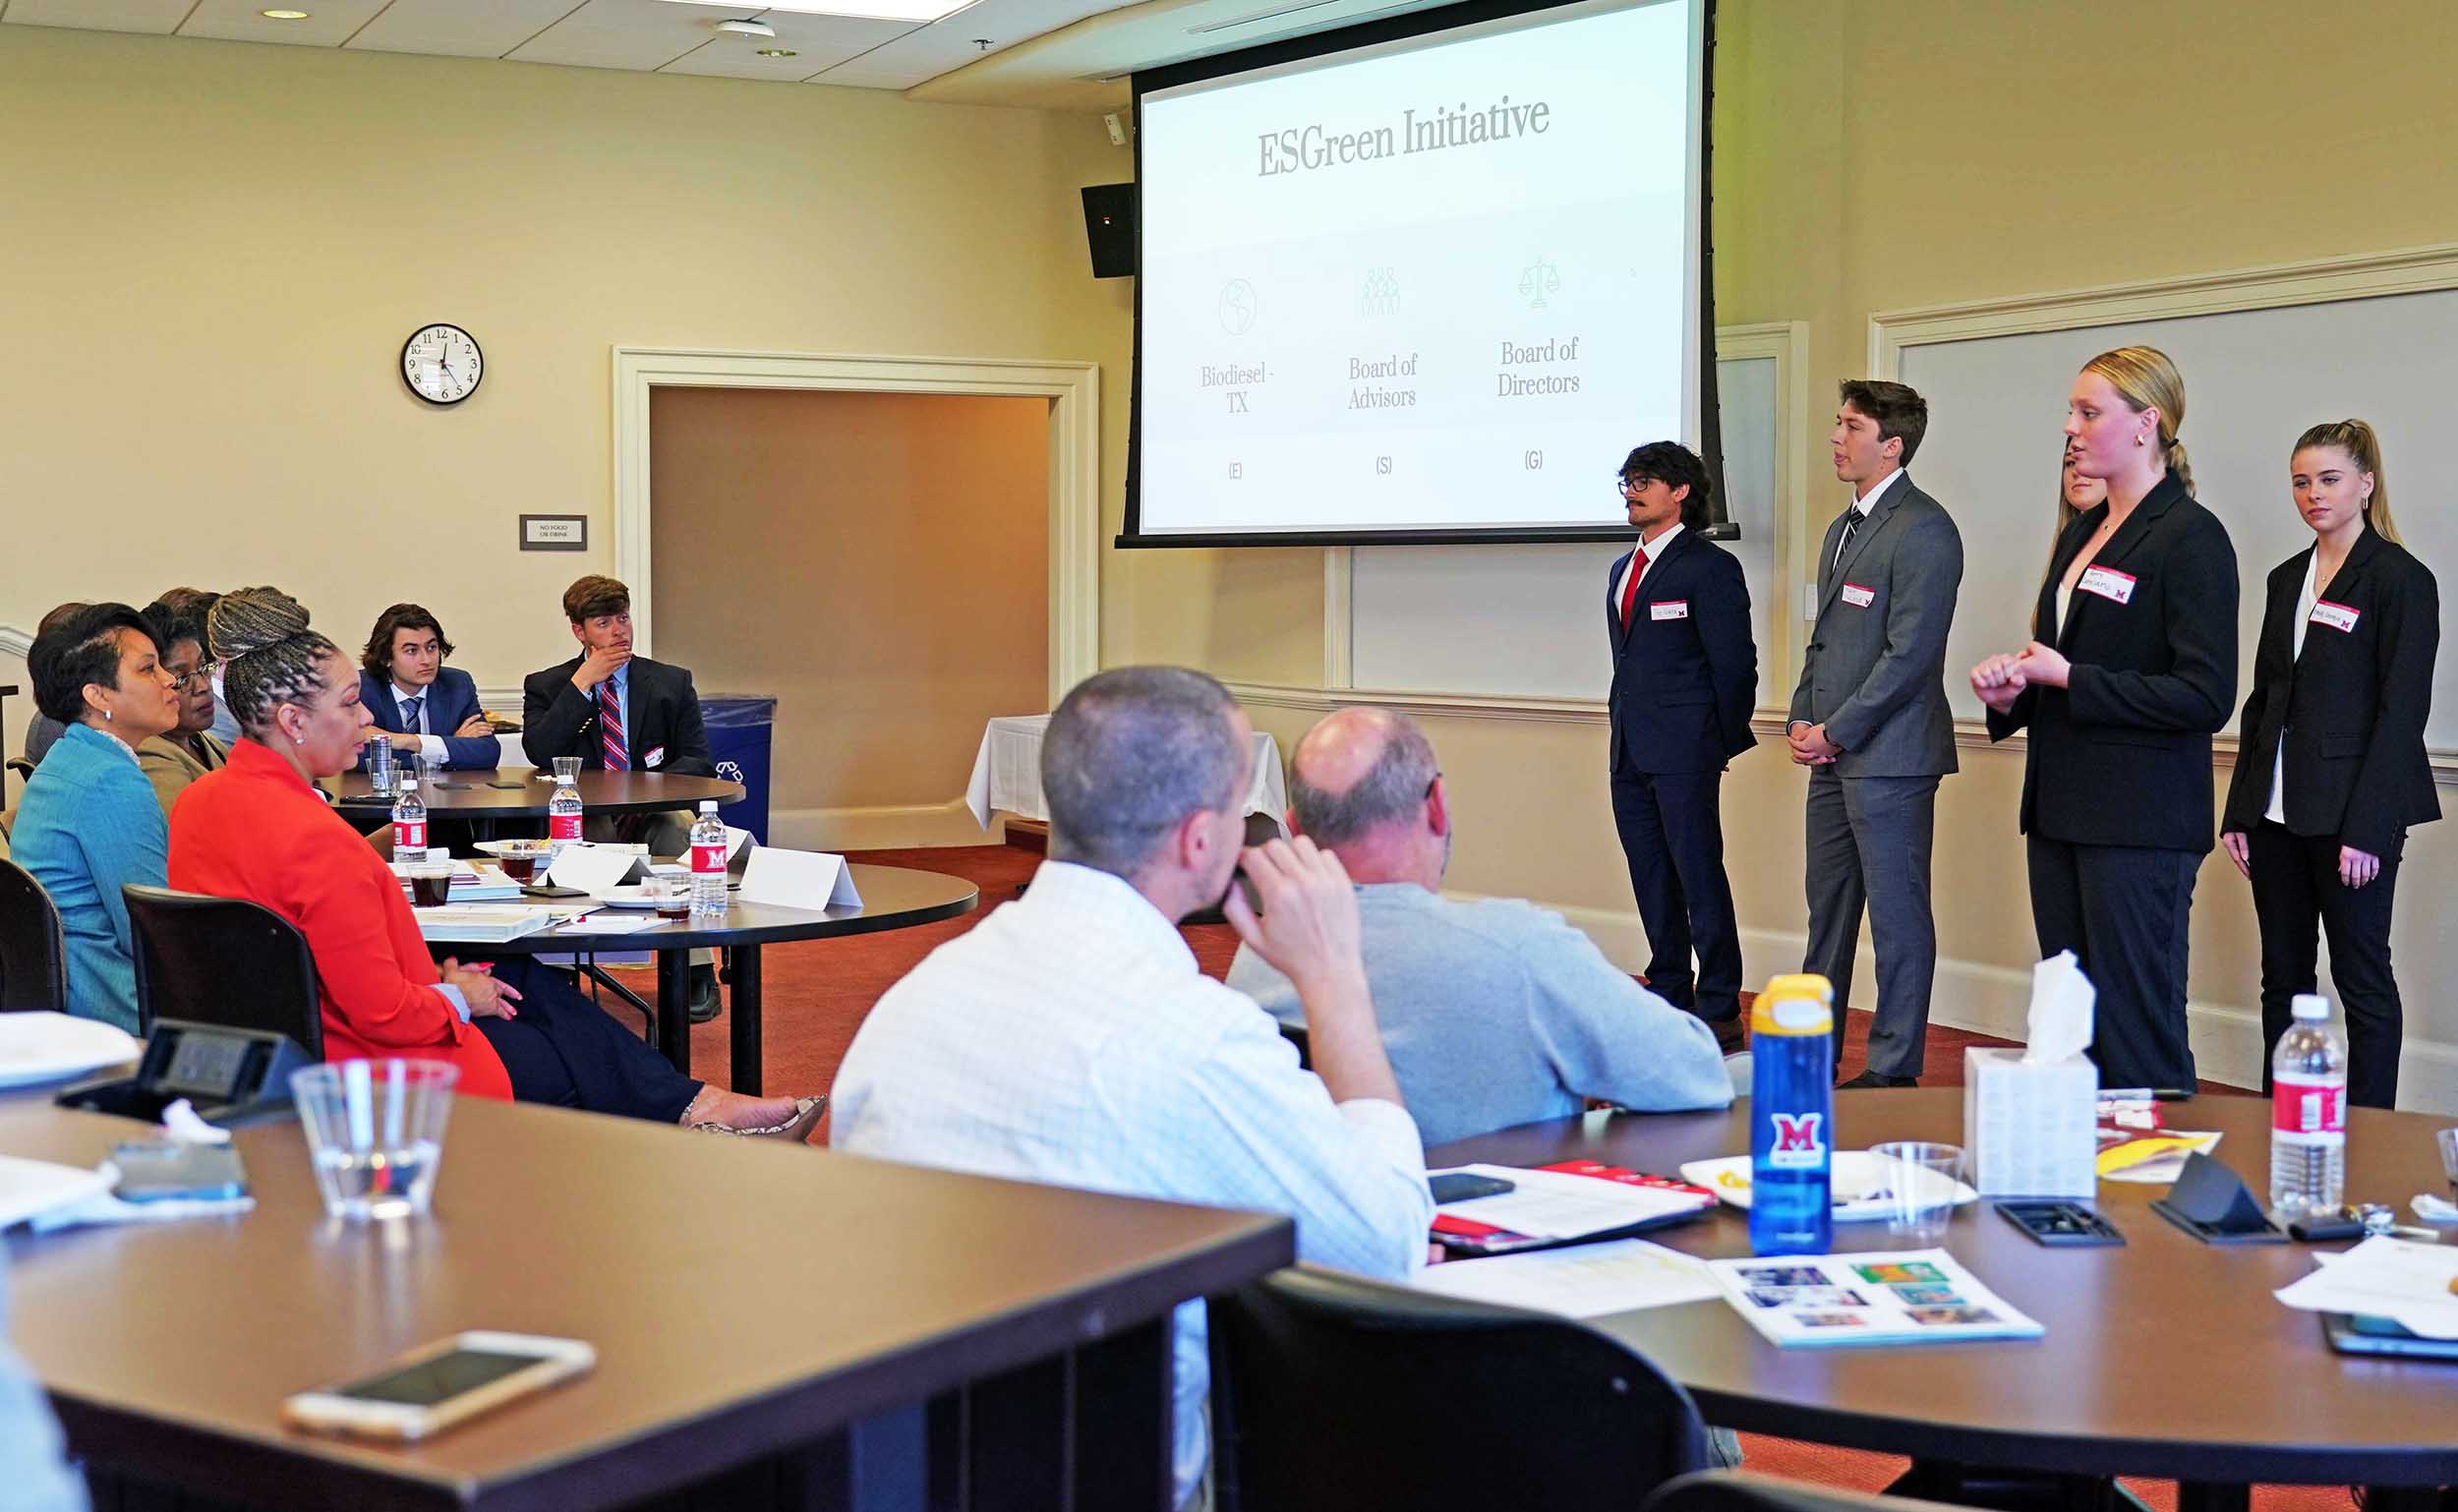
(2146,1093)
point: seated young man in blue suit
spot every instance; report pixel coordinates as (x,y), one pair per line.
(429,708)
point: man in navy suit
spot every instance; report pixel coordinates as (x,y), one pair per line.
(427,708)
(1686,677)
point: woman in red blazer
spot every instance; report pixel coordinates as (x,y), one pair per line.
(258,829)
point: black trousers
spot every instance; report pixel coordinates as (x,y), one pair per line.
(2297,897)
(1672,829)
(560,1048)
(2123,911)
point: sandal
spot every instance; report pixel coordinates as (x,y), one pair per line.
(806,1116)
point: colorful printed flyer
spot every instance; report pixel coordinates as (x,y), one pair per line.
(1906,1297)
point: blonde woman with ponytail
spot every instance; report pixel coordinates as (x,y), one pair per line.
(2332,771)
(2129,671)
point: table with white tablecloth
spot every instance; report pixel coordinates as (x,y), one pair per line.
(1007,773)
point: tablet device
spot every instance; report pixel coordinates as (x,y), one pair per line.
(2354,1333)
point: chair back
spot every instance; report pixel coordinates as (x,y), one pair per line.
(1332,1393)
(222,960)
(1303,1040)
(33,949)
(1731,1491)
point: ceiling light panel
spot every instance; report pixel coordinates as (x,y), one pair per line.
(329,23)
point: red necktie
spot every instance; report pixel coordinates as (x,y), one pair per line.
(611,729)
(1630,590)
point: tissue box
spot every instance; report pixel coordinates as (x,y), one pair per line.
(2030,1130)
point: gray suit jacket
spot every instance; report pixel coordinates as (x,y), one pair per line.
(1874,672)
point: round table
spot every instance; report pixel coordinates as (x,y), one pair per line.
(520,794)
(2166,1357)
(892,898)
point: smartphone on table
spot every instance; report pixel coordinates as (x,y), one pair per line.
(433,1387)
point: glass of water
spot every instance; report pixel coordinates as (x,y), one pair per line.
(374,1132)
(1919,1181)
(567,769)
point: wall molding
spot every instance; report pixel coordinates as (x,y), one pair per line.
(1073,389)
(16,641)
(2368,276)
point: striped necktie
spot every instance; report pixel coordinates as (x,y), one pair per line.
(611,729)
(409,716)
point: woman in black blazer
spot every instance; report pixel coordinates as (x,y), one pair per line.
(2331,770)
(2131,669)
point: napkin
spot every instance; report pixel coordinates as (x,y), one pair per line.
(2062,998)
(181,1125)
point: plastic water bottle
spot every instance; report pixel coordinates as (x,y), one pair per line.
(2309,1114)
(707,862)
(1792,1117)
(562,816)
(409,824)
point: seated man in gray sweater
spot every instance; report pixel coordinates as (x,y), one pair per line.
(1493,1012)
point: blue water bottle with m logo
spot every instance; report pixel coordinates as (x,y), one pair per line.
(1792,1117)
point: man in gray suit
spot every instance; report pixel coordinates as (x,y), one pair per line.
(1869,721)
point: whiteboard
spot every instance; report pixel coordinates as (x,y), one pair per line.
(2253,381)
(1529,620)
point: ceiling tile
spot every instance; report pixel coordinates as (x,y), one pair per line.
(460,28)
(329,23)
(817,41)
(624,33)
(948,42)
(161,17)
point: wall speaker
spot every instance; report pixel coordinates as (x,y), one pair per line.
(1109,225)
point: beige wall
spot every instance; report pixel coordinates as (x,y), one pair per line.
(877,562)
(1882,155)
(210,254)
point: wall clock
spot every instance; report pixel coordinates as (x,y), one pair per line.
(442,364)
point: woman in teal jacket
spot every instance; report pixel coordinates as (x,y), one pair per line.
(90,823)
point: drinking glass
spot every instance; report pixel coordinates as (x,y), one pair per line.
(2447,1139)
(407,772)
(374,1132)
(567,769)
(1919,1181)
(431,883)
(672,893)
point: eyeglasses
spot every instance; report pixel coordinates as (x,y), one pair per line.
(182,680)
(1630,485)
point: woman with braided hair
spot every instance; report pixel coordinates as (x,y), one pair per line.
(258,830)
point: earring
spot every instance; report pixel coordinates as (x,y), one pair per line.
(2138,440)
(106,716)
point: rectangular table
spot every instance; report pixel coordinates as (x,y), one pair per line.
(821,1329)
(1007,774)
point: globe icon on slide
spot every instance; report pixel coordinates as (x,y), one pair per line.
(1237,306)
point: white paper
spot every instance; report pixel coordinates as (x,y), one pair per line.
(1557,1205)
(2405,1279)
(2062,1004)
(594,868)
(798,879)
(612,924)
(1621,1275)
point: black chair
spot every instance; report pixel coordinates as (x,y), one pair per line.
(222,960)
(1304,1039)
(1332,1393)
(1729,1490)
(34,951)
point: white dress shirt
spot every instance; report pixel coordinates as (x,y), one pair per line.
(430,744)
(1069,1038)
(2305,600)
(1650,550)
(1863,503)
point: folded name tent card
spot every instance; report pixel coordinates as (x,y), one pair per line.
(799,878)
(594,868)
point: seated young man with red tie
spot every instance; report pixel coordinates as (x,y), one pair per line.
(618,712)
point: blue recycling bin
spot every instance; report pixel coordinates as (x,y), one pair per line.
(741,730)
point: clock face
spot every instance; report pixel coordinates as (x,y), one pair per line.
(442,364)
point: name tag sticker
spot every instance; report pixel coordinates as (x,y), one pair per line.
(2338,617)
(1859,597)
(2109,583)
(655,759)
(1677,609)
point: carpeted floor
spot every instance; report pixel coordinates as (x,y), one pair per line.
(817,993)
